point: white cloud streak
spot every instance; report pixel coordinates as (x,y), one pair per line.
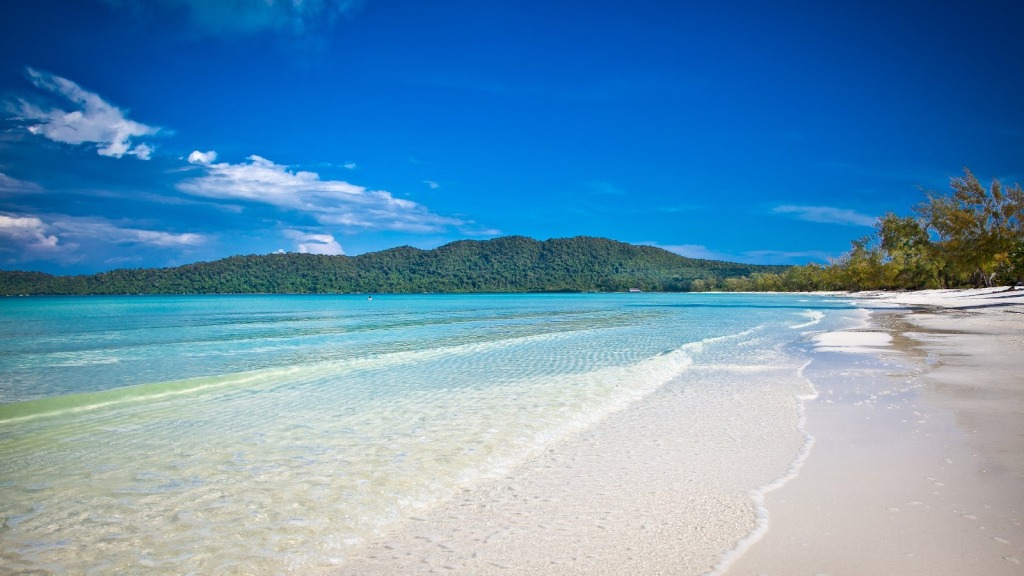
(92,120)
(783,256)
(59,237)
(10,185)
(297,17)
(314,243)
(105,231)
(330,202)
(695,251)
(826,215)
(750,256)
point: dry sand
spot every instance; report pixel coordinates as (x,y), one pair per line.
(918,464)
(917,467)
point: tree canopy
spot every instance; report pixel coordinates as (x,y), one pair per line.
(508,264)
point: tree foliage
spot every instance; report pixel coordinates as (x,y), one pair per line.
(509,264)
(973,236)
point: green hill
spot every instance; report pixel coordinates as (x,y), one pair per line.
(508,264)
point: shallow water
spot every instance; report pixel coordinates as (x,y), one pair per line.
(274,434)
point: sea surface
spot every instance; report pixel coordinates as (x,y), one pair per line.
(277,434)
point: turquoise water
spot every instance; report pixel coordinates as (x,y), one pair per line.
(272,434)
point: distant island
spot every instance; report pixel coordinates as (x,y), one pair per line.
(973,236)
(507,264)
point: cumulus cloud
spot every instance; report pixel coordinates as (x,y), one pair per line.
(29,234)
(197,157)
(826,215)
(330,202)
(91,120)
(433,185)
(314,243)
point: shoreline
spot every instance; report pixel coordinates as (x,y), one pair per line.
(918,465)
(883,471)
(760,495)
(663,486)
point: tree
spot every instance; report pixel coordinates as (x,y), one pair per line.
(861,267)
(909,257)
(1015,262)
(976,228)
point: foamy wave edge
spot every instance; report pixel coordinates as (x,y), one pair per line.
(758,494)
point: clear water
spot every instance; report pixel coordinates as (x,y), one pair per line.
(272,434)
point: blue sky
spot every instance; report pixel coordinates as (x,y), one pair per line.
(162,132)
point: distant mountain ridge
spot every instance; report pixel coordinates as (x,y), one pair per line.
(506,264)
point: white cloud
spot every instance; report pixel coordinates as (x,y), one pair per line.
(80,228)
(331,202)
(13,185)
(197,157)
(350,165)
(59,237)
(826,215)
(29,234)
(314,243)
(433,185)
(92,120)
(156,238)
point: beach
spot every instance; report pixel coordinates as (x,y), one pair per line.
(918,464)
(906,459)
(514,434)
(492,433)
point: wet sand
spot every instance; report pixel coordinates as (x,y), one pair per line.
(662,487)
(918,462)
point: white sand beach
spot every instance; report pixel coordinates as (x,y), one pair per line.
(918,469)
(912,463)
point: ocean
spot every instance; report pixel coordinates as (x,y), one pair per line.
(279,434)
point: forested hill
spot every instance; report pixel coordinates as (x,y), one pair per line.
(508,264)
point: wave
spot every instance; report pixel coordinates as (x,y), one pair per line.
(270,377)
(814,317)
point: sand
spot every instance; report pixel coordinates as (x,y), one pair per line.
(662,487)
(912,463)
(918,462)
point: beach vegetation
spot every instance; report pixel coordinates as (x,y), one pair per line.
(970,236)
